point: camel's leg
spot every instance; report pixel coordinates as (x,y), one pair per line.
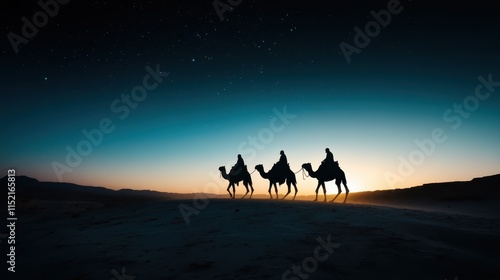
(251,187)
(337,182)
(317,189)
(228,190)
(324,190)
(269,191)
(246,187)
(276,189)
(288,184)
(346,190)
(244,194)
(234,192)
(296,190)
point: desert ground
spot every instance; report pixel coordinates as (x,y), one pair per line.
(251,239)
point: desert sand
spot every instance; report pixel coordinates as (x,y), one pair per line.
(251,239)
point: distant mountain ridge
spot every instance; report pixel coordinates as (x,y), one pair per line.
(477,189)
(31,188)
(478,197)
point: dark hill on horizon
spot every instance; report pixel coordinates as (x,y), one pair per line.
(30,188)
(476,189)
(479,197)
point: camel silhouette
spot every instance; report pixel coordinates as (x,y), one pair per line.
(276,176)
(243,175)
(324,175)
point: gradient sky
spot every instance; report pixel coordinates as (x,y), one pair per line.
(228,78)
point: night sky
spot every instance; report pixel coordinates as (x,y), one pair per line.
(270,76)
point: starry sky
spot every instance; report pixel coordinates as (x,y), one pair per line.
(400,109)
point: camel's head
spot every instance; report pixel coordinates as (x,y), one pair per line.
(259,167)
(222,168)
(306,166)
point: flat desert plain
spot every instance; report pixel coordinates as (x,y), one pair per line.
(250,239)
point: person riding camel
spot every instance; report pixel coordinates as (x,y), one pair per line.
(283,160)
(282,163)
(238,167)
(281,167)
(328,161)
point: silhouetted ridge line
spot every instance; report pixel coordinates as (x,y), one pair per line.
(30,188)
(483,188)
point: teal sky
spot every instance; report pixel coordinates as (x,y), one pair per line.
(227,80)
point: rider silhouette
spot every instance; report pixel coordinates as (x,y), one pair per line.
(281,166)
(328,163)
(329,157)
(238,166)
(283,160)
